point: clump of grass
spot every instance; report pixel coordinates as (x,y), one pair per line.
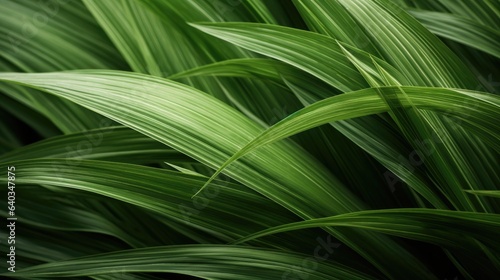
(305,139)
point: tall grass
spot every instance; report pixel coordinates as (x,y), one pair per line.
(229,139)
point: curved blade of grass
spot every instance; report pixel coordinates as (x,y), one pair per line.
(419,126)
(299,48)
(110,143)
(462,30)
(41,245)
(165,192)
(243,67)
(366,102)
(276,71)
(441,227)
(378,140)
(409,46)
(69,218)
(457,231)
(368,65)
(330,140)
(204,261)
(215,216)
(485,12)
(495,194)
(330,18)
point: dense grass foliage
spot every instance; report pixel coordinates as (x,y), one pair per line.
(250,139)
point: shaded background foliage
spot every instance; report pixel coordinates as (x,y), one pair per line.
(350,139)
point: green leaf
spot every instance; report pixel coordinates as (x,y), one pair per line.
(299,48)
(462,30)
(204,261)
(111,143)
(495,194)
(166,193)
(330,18)
(409,46)
(427,225)
(481,117)
(276,173)
(440,227)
